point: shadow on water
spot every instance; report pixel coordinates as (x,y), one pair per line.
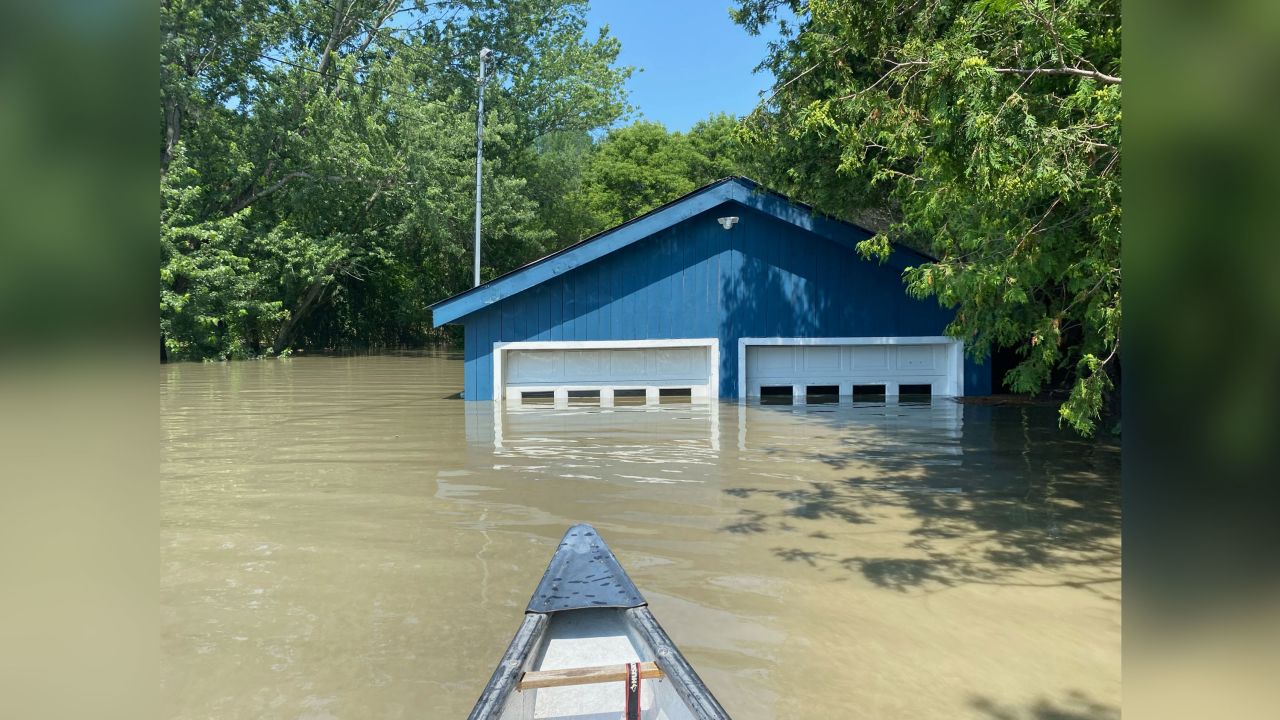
(1076,706)
(1001,498)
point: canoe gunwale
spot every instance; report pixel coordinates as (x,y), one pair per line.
(505,681)
(695,694)
(506,676)
(583,562)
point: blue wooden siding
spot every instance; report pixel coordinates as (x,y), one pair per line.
(763,278)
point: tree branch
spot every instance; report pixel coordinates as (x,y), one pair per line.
(1029,72)
(896,67)
(336,38)
(799,75)
(1079,72)
(248,200)
(339,20)
(372,32)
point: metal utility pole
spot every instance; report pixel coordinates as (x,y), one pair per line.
(484,53)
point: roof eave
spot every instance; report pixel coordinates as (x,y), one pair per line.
(732,189)
(596,246)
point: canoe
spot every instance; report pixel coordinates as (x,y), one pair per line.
(590,649)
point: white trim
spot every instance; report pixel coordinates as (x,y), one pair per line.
(868,340)
(955,357)
(713,362)
(604,344)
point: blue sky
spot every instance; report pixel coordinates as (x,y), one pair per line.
(695,61)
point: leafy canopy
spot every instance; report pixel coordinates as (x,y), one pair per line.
(986,133)
(317,160)
(641,166)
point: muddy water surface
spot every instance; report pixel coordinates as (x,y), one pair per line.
(341,539)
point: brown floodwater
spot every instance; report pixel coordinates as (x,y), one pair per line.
(340,538)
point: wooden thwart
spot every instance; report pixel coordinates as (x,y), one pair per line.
(584,676)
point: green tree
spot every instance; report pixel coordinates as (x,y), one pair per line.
(636,168)
(213,300)
(985,132)
(718,149)
(555,173)
(317,160)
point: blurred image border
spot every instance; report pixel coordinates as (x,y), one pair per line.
(78,396)
(1202,358)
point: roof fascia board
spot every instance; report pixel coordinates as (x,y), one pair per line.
(803,217)
(503,288)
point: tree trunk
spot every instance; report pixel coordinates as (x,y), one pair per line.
(309,302)
(172,133)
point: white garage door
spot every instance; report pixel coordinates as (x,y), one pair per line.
(847,366)
(605,368)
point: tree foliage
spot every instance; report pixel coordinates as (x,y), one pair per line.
(988,133)
(641,166)
(317,160)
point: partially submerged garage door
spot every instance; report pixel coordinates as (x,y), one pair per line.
(800,367)
(562,368)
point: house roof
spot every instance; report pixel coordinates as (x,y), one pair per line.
(741,190)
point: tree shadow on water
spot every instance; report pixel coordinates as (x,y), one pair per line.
(1076,706)
(1038,510)
(818,500)
(902,573)
(812,558)
(749,522)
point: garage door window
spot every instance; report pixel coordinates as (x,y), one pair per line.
(850,367)
(602,371)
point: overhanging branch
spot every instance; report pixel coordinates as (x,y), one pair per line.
(1079,72)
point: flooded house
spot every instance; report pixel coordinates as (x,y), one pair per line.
(732,291)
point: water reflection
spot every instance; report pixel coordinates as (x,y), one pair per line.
(887,428)
(342,539)
(650,429)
